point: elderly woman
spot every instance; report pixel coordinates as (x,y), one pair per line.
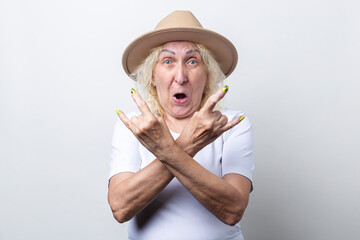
(180,169)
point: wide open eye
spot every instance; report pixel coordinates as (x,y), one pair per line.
(192,62)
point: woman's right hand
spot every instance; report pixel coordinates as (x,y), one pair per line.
(150,130)
(206,125)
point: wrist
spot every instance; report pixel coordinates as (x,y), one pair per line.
(167,152)
(186,147)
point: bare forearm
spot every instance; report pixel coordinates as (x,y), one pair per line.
(217,195)
(131,193)
(129,196)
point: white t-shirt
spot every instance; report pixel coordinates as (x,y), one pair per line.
(175,214)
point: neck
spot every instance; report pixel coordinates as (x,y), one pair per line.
(175,124)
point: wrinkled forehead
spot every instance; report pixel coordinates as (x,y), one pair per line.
(180,46)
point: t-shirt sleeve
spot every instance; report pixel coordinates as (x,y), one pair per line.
(238,149)
(125,155)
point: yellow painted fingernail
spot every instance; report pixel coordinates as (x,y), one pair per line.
(133,91)
(118,112)
(242,118)
(225,88)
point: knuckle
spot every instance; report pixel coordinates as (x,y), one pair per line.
(196,115)
(224,119)
(135,118)
(212,101)
(160,119)
(141,104)
(136,132)
(152,120)
(142,129)
(128,124)
(217,113)
(208,125)
(147,124)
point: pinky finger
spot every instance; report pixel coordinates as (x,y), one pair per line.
(233,122)
(124,119)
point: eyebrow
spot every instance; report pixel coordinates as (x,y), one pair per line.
(191,51)
(166,50)
(172,52)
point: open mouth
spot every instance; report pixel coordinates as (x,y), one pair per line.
(180,96)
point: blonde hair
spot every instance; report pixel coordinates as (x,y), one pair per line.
(144,72)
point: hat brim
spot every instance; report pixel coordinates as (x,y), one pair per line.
(223,50)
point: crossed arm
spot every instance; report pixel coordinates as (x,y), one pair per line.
(225,197)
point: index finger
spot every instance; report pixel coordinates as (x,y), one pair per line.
(141,104)
(214,99)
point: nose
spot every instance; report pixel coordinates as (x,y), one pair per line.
(181,75)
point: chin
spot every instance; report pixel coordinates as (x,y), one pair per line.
(181,114)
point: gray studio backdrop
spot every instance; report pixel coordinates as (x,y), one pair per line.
(61,80)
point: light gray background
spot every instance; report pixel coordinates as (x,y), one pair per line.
(61,81)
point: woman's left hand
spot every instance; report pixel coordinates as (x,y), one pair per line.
(151,131)
(205,126)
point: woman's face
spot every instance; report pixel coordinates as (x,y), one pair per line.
(180,77)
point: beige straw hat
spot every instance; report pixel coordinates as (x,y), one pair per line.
(180,26)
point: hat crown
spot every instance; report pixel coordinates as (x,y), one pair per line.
(179,19)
